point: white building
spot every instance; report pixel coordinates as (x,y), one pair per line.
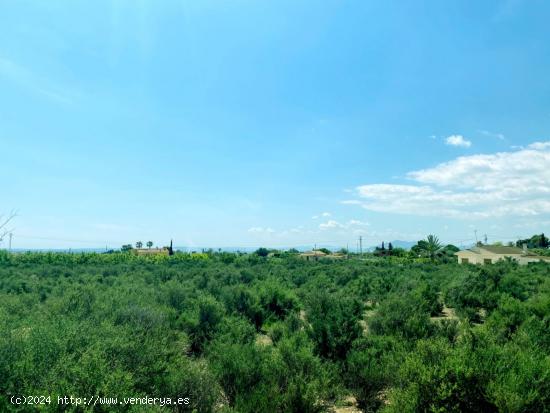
(490,254)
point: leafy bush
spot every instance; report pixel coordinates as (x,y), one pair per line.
(334,323)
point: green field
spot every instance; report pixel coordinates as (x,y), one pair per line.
(245,333)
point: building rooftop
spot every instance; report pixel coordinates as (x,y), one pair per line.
(314,253)
(502,250)
(150,251)
(499,250)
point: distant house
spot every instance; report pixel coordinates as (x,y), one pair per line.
(490,254)
(152,251)
(155,251)
(338,256)
(314,255)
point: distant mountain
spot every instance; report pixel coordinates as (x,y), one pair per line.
(403,244)
(396,244)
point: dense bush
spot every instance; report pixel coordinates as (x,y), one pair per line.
(249,333)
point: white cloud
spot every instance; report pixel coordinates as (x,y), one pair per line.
(321,215)
(458,140)
(497,135)
(503,184)
(352,224)
(330,224)
(355,222)
(540,145)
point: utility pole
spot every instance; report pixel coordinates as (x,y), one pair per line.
(485,238)
(361,245)
(475,233)
(11,236)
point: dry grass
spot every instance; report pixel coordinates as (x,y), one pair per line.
(263,340)
(446,314)
(371,311)
(349,405)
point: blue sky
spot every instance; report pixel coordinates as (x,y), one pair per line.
(244,123)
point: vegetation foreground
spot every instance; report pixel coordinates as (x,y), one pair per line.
(246,333)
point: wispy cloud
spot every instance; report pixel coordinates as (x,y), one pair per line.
(352,224)
(502,184)
(540,146)
(458,140)
(261,230)
(33,82)
(330,224)
(321,215)
(496,135)
(330,227)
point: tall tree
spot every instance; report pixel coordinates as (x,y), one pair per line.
(139,244)
(126,247)
(262,252)
(427,247)
(432,246)
(149,244)
(544,241)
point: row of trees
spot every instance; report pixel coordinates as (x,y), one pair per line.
(430,248)
(536,241)
(139,245)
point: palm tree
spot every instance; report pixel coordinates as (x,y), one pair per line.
(432,246)
(139,244)
(149,244)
